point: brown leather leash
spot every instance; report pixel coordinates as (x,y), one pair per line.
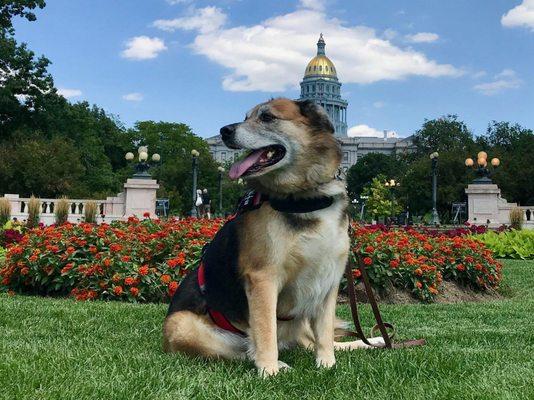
(380,324)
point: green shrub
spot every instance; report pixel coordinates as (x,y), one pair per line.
(511,244)
(89,212)
(516,218)
(34,210)
(5,210)
(61,211)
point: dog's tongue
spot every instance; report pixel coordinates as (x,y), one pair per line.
(239,168)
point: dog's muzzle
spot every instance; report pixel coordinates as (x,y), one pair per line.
(228,135)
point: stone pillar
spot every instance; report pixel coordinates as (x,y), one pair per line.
(484,203)
(140,197)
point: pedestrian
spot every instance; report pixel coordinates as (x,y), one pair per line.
(198,203)
(206,203)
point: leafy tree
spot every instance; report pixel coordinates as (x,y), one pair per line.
(445,134)
(368,167)
(380,201)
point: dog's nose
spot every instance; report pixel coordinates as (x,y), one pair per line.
(228,131)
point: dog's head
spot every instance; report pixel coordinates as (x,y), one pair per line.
(291,143)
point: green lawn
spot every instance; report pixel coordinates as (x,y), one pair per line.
(61,349)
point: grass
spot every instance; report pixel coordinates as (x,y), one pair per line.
(61,349)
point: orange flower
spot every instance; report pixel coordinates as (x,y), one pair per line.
(165,278)
(460,267)
(125,258)
(172,287)
(418,272)
(117,290)
(107,262)
(134,291)
(394,263)
(419,284)
(356,273)
(367,260)
(369,249)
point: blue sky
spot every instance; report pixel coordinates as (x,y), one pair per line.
(205,63)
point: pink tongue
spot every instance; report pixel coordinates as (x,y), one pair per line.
(240,167)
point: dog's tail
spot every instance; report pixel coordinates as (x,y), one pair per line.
(341,329)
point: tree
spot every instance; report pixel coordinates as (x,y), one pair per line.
(380,200)
(368,167)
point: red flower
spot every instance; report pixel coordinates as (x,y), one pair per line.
(418,284)
(367,260)
(125,258)
(394,263)
(460,267)
(134,291)
(172,287)
(115,247)
(165,278)
(146,215)
(117,290)
(143,270)
(356,273)
(129,281)
(369,249)
(107,262)
(418,272)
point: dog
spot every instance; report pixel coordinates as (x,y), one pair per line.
(270,277)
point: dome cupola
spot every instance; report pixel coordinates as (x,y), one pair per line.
(321,65)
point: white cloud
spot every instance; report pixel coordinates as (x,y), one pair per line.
(366,131)
(390,34)
(271,56)
(205,20)
(133,97)
(520,16)
(422,37)
(506,79)
(317,5)
(174,2)
(69,93)
(379,104)
(143,48)
(480,74)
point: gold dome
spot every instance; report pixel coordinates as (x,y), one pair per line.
(321,65)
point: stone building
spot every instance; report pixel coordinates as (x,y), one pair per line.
(321,84)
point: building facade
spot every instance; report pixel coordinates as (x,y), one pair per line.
(321,84)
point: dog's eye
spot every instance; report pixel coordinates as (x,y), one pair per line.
(267,117)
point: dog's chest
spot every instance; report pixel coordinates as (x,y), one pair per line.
(321,256)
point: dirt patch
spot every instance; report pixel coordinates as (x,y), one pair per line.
(450,292)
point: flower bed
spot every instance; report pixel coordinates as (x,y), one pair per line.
(419,262)
(511,244)
(146,260)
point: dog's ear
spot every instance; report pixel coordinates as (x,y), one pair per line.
(317,116)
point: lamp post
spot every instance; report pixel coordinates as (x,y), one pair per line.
(435,217)
(142,167)
(482,171)
(221,172)
(195,155)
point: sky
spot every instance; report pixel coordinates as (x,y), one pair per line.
(205,63)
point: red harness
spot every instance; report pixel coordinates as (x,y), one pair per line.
(217,317)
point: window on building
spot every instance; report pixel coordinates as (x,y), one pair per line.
(320,67)
(313,88)
(315,67)
(345,156)
(328,88)
(223,155)
(307,88)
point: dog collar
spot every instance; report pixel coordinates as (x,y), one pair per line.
(299,206)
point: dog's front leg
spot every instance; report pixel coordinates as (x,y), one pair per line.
(262,295)
(323,331)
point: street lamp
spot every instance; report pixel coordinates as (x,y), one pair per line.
(141,168)
(221,172)
(195,155)
(435,217)
(481,167)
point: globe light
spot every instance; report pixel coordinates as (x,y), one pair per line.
(143,156)
(392,182)
(482,154)
(142,149)
(434,155)
(482,162)
(386,184)
(469,162)
(495,162)
(220,169)
(129,156)
(156,157)
(195,153)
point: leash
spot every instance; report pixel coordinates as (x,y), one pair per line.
(380,324)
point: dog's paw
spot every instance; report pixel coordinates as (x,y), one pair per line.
(377,341)
(325,361)
(266,371)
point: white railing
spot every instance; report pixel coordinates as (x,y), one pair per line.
(108,210)
(528,216)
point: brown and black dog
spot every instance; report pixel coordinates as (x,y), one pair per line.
(270,262)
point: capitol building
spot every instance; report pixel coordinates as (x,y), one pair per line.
(321,84)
